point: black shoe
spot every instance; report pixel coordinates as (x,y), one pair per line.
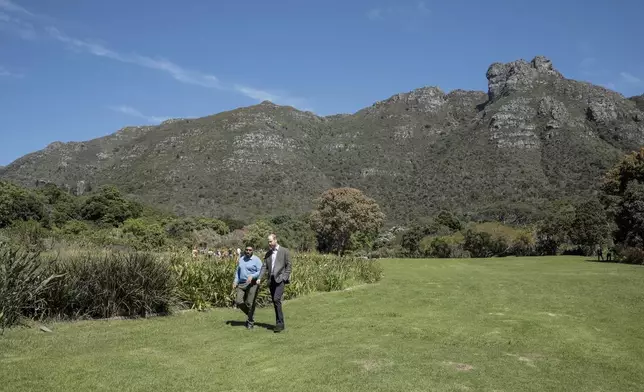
(249,325)
(278,328)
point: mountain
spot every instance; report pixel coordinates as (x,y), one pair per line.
(639,101)
(534,136)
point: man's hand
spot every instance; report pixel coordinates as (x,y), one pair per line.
(250,279)
(234,285)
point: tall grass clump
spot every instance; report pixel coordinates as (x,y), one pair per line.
(205,283)
(23,278)
(103,283)
(109,284)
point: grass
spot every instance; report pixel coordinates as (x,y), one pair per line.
(529,324)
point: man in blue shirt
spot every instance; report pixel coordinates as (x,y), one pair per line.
(246,274)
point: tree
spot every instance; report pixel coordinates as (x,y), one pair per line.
(554,230)
(484,244)
(448,219)
(589,226)
(294,232)
(623,196)
(630,216)
(341,213)
(110,207)
(19,204)
(183,227)
(410,241)
(257,234)
(149,234)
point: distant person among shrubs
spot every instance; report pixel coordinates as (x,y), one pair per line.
(246,283)
(277,263)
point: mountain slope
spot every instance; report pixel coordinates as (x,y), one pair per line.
(534,136)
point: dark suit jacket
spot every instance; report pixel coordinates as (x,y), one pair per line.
(282,265)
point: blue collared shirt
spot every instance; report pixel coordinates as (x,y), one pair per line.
(247,266)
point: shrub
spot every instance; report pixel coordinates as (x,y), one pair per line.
(109,284)
(17,203)
(29,233)
(148,235)
(74,227)
(440,248)
(109,207)
(22,279)
(483,244)
(523,244)
(631,255)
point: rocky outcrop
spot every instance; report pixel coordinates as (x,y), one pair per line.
(639,102)
(518,76)
(425,100)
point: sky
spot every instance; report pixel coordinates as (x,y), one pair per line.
(74,70)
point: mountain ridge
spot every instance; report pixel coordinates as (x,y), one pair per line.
(535,136)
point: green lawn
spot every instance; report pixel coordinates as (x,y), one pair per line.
(513,324)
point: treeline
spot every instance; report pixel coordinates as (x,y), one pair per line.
(609,223)
(49,217)
(573,228)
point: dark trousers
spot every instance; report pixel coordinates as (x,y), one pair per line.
(245,299)
(277,290)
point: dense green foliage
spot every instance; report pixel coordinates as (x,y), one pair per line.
(100,284)
(344,221)
(345,216)
(23,279)
(19,204)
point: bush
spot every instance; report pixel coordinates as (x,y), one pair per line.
(631,255)
(74,228)
(148,235)
(18,203)
(483,244)
(523,244)
(29,233)
(107,284)
(22,279)
(109,207)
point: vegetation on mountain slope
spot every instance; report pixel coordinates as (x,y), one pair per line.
(535,137)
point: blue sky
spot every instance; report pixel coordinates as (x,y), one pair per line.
(73,70)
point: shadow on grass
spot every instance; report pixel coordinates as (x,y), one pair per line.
(237,323)
(601,261)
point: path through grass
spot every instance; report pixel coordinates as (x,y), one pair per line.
(529,324)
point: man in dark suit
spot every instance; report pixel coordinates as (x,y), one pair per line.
(277,263)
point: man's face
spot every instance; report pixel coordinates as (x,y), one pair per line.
(272,242)
(248,252)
